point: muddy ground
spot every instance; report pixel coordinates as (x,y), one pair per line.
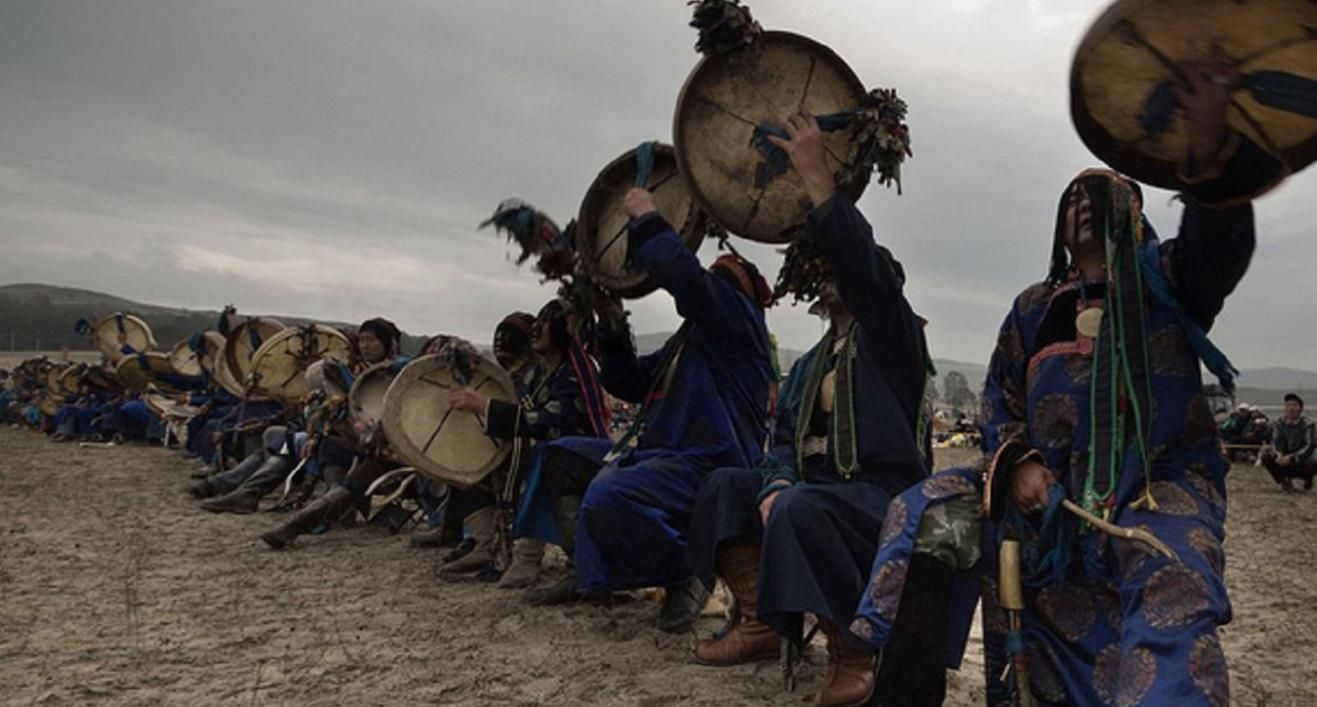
(116,590)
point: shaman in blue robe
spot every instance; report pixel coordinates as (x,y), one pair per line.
(705,397)
(836,465)
(1106,621)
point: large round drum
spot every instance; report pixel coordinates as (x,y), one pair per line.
(54,379)
(726,97)
(137,373)
(444,443)
(112,333)
(366,401)
(601,224)
(219,366)
(70,378)
(185,361)
(278,368)
(242,342)
(1121,83)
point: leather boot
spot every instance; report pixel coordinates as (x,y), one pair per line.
(682,604)
(481,525)
(202,489)
(525,568)
(330,507)
(750,639)
(850,672)
(245,499)
(565,510)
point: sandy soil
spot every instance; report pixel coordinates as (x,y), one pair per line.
(115,589)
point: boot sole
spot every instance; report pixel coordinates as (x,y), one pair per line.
(274,543)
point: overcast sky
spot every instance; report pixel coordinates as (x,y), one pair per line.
(332,159)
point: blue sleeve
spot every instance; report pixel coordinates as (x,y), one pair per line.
(1208,258)
(868,282)
(622,373)
(701,296)
(779,464)
(1005,415)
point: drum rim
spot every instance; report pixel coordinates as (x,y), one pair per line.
(403,446)
(230,355)
(1104,146)
(678,134)
(696,219)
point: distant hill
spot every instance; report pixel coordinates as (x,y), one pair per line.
(42,317)
(35,316)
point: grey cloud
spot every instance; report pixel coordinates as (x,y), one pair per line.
(185,152)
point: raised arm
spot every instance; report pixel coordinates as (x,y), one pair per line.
(622,373)
(866,274)
(1222,169)
(702,297)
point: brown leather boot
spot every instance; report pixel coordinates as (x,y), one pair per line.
(750,639)
(329,508)
(850,672)
(525,568)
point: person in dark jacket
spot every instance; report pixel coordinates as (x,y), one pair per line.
(622,509)
(1290,456)
(799,533)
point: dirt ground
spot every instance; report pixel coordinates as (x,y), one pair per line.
(115,589)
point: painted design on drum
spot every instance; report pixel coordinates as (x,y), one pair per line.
(994,617)
(1199,424)
(885,589)
(1174,596)
(1068,609)
(940,487)
(1170,353)
(898,513)
(1207,545)
(1123,679)
(1043,675)
(1054,420)
(1173,500)
(1207,667)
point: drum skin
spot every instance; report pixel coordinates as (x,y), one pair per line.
(1133,53)
(238,348)
(138,373)
(443,443)
(278,368)
(726,97)
(185,361)
(136,332)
